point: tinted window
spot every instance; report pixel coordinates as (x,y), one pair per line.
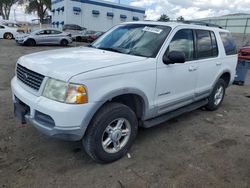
(229,44)
(44,32)
(183,41)
(55,32)
(205,47)
(214,45)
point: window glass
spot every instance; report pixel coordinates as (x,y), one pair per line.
(55,32)
(45,32)
(183,41)
(214,45)
(135,39)
(204,44)
(229,44)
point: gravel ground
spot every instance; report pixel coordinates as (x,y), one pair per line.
(198,149)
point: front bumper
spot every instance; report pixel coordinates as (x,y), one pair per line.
(69,121)
(20,41)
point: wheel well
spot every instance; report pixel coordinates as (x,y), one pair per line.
(8,33)
(226,77)
(135,102)
(30,39)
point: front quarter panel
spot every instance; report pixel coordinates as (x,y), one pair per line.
(131,78)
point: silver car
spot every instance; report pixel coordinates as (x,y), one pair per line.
(44,36)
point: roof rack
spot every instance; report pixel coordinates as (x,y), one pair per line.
(200,23)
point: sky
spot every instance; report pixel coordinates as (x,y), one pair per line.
(189,9)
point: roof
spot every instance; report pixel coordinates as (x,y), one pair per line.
(107,4)
(174,24)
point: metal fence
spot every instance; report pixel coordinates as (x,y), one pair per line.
(239,26)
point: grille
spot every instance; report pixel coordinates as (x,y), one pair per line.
(28,77)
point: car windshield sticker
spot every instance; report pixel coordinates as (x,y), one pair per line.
(152,30)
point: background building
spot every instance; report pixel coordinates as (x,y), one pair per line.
(237,24)
(95,15)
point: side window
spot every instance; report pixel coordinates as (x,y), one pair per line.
(229,44)
(215,50)
(183,41)
(55,32)
(205,47)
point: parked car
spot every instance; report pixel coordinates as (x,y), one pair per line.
(86,34)
(7,32)
(76,31)
(242,66)
(44,36)
(93,37)
(102,93)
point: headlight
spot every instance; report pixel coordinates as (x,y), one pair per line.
(64,92)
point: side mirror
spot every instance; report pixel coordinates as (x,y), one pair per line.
(174,57)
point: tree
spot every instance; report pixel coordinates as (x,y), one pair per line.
(164,18)
(5,7)
(180,18)
(40,7)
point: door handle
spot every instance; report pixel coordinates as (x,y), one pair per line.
(192,68)
(218,63)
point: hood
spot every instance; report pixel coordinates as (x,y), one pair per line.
(22,35)
(68,62)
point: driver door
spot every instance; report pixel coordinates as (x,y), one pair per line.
(176,82)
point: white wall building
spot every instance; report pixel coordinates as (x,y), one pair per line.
(95,15)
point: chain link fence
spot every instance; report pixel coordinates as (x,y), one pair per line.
(238,25)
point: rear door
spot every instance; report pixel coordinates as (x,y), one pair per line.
(209,63)
(55,36)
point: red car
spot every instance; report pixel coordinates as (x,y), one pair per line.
(244,53)
(93,37)
(243,65)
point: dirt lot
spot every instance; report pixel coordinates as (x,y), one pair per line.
(199,149)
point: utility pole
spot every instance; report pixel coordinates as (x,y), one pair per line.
(15,15)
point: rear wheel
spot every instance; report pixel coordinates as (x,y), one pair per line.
(30,42)
(64,42)
(8,36)
(111,133)
(217,95)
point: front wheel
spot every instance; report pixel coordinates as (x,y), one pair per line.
(111,133)
(217,95)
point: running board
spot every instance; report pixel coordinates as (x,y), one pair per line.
(173,114)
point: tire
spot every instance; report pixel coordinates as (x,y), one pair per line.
(103,128)
(217,95)
(30,42)
(8,36)
(78,39)
(64,42)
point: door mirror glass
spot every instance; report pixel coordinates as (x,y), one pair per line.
(174,57)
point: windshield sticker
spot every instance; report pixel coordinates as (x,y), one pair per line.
(152,30)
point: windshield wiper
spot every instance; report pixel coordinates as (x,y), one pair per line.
(110,49)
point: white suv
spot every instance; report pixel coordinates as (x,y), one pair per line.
(137,74)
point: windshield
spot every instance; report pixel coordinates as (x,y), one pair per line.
(135,39)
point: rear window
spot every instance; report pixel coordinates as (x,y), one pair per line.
(206,44)
(229,44)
